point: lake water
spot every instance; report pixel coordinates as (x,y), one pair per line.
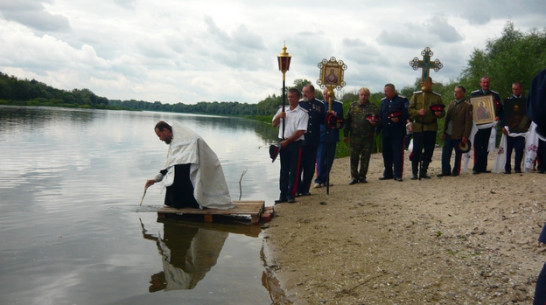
(72,230)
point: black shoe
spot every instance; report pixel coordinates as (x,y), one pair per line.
(425,176)
(517,171)
(305,194)
(444,175)
(354,181)
(290,200)
(454,174)
(413,177)
(385,178)
(398,179)
(363,180)
(507,172)
(280,200)
(486,172)
(475,172)
(299,194)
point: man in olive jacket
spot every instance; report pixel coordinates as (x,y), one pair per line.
(457,129)
(425,108)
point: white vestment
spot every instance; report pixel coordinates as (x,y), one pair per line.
(206,174)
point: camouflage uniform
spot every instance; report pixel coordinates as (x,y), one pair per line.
(361,134)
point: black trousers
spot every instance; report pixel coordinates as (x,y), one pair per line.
(180,193)
(426,140)
(307,170)
(288,179)
(518,145)
(481,142)
(392,148)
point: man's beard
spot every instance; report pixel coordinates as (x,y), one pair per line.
(168,141)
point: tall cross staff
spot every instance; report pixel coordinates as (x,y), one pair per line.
(331,76)
(426,65)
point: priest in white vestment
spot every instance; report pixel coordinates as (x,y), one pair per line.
(192,173)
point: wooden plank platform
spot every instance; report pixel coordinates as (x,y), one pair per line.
(253,208)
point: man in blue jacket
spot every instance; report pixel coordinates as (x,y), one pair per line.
(394,114)
(329,136)
(317,112)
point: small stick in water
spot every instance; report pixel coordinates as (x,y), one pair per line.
(145,188)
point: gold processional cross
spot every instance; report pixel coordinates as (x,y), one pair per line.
(426,64)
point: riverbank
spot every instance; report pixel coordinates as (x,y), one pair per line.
(470,239)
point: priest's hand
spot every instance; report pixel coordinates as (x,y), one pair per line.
(149,183)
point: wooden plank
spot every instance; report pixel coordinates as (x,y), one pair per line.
(254,208)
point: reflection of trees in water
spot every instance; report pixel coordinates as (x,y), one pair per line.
(37,117)
(188,253)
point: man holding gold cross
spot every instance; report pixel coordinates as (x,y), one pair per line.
(425,108)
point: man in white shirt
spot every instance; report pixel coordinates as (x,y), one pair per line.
(291,137)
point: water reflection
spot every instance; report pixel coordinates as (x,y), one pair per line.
(188,253)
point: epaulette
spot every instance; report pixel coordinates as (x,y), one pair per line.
(401,96)
(417,92)
(438,94)
(475,91)
(337,102)
(494,91)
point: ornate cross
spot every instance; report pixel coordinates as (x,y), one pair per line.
(426,64)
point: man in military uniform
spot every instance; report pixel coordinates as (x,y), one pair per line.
(329,136)
(317,115)
(425,108)
(360,122)
(394,114)
(515,130)
(481,139)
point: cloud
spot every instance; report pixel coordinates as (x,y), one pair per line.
(33,14)
(411,35)
(193,51)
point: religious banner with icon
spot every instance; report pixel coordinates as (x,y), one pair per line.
(331,73)
(515,112)
(483,111)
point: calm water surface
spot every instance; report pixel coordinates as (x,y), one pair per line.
(72,230)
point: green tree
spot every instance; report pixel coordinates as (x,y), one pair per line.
(515,56)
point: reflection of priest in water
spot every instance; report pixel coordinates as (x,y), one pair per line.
(188,253)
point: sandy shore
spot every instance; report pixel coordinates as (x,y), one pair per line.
(470,239)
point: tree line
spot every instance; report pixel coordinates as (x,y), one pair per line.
(515,56)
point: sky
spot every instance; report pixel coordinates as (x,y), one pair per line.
(189,51)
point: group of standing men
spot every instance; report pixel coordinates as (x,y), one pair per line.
(310,137)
